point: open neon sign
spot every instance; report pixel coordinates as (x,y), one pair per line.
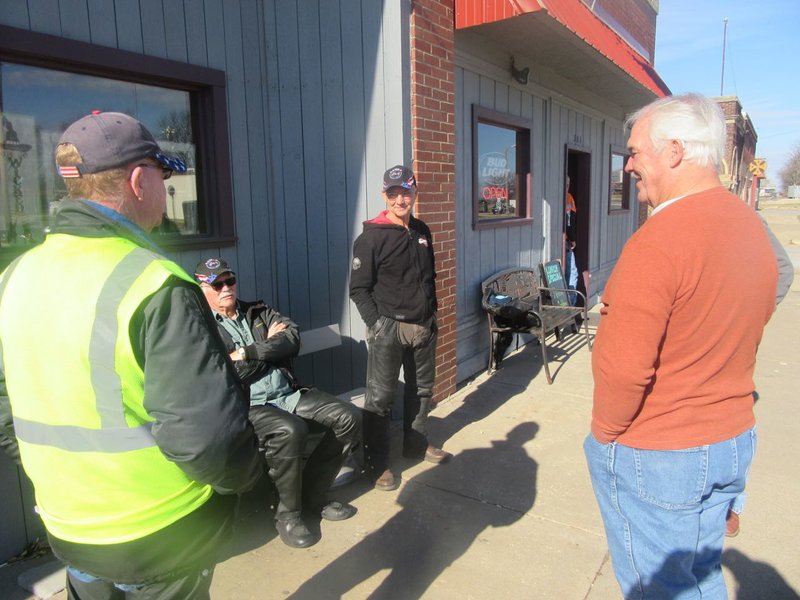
(494,174)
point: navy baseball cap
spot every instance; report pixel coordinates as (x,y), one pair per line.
(399,176)
(209,269)
(109,140)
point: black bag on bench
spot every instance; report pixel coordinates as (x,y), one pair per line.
(510,312)
(513,312)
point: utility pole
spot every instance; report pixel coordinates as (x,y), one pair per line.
(724,40)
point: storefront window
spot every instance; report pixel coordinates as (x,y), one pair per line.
(619,189)
(43,91)
(501,167)
(31,188)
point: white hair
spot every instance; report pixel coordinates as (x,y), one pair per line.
(695,121)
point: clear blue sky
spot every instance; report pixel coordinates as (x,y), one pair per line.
(762,63)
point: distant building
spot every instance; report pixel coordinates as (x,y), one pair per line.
(767,189)
(740,150)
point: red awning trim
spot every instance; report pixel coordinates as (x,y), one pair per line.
(577,18)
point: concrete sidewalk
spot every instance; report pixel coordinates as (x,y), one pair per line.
(513,514)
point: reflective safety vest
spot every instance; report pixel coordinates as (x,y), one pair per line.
(77,391)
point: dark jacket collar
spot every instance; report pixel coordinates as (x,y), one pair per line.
(85,218)
(250,308)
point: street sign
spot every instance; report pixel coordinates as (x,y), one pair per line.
(758,167)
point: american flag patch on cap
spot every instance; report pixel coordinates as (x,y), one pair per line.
(68,172)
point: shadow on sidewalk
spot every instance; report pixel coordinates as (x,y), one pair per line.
(254,525)
(515,374)
(756,580)
(445,509)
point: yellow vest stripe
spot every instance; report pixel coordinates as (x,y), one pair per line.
(114,435)
(103,342)
(81,439)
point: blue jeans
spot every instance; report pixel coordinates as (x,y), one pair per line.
(737,505)
(194,585)
(664,513)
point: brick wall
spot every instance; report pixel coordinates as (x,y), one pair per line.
(433,147)
(731,109)
(637,17)
(739,142)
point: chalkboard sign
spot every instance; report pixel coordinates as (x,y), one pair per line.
(553,277)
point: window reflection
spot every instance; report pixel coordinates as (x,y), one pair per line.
(502,145)
(497,172)
(37,104)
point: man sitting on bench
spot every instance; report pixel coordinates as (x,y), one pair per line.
(262,342)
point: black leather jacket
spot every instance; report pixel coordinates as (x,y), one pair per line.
(277,351)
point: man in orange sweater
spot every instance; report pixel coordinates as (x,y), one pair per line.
(673,430)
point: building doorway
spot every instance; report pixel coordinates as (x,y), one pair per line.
(578,172)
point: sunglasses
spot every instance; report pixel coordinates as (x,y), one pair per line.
(165,172)
(218,285)
(393,194)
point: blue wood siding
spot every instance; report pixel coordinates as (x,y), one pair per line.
(318,107)
(483,252)
(556,122)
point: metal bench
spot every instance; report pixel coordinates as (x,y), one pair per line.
(516,302)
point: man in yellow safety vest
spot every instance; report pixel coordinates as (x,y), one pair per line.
(116,393)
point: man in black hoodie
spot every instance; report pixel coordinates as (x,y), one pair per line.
(392,282)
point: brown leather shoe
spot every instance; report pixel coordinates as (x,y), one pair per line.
(437,455)
(732,524)
(387,481)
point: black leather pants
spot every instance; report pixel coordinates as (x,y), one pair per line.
(282,436)
(386,356)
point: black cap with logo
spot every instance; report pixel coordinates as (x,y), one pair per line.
(209,269)
(399,176)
